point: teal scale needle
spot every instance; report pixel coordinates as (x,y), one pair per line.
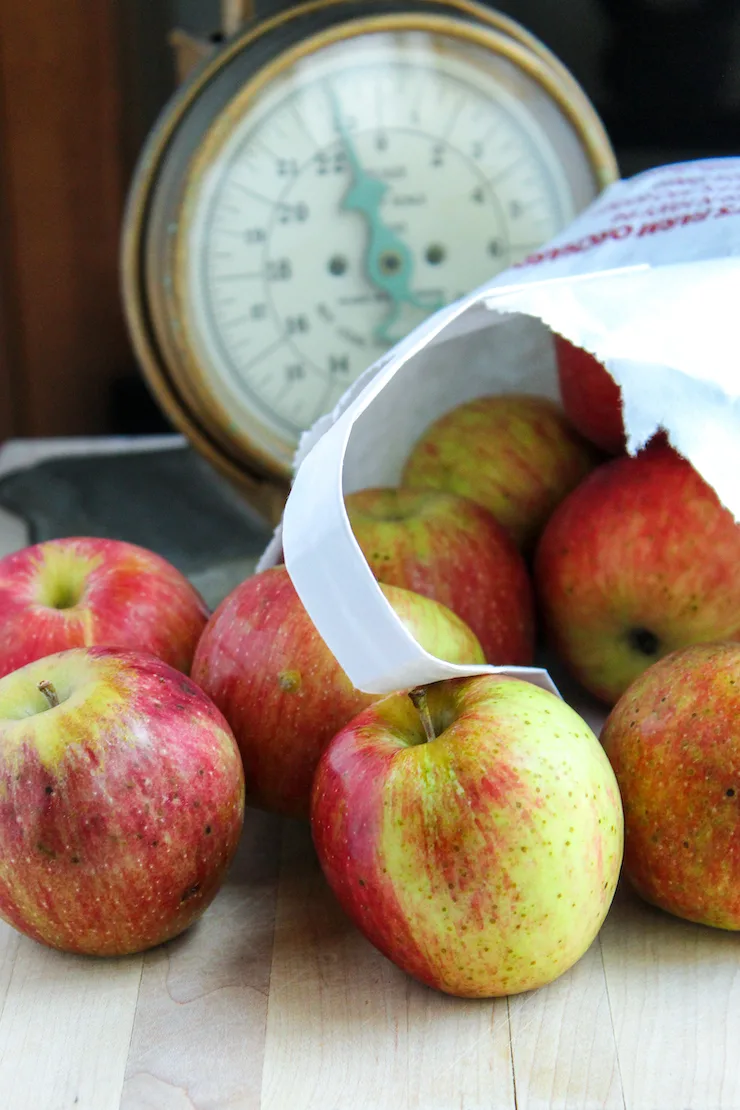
(388,261)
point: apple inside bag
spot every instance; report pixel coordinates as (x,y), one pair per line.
(645,280)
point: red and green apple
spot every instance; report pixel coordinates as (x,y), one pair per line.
(452,550)
(265,666)
(516,455)
(472,830)
(86,592)
(674,743)
(640,560)
(121,801)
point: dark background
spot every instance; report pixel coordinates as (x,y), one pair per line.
(664,74)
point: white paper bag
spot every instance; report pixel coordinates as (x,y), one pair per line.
(647,279)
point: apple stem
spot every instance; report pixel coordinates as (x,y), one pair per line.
(419,697)
(47,689)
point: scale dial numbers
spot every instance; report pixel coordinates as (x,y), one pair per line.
(377,180)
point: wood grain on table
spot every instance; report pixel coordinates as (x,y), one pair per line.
(273,1001)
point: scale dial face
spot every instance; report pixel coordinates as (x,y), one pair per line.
(357,182)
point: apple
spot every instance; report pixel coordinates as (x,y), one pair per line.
(640,560)
(86,592)
(674,743)
(452,550)
(263,663)
(591,398)
(121,801)
(515,455)
(475,841)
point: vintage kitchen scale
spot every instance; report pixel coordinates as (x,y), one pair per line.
(321,183)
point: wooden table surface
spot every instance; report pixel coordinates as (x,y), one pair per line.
(273,1001)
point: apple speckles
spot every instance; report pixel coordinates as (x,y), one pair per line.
(479,877)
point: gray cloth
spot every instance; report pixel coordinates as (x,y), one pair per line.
(169,501)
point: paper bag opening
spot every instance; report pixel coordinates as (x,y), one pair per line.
(659,311)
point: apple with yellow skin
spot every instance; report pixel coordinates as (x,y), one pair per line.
(263,663)
(641,560)
(452,550)
(87,592)
(121,801)
(514,454)
(474,834)
(673,740)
